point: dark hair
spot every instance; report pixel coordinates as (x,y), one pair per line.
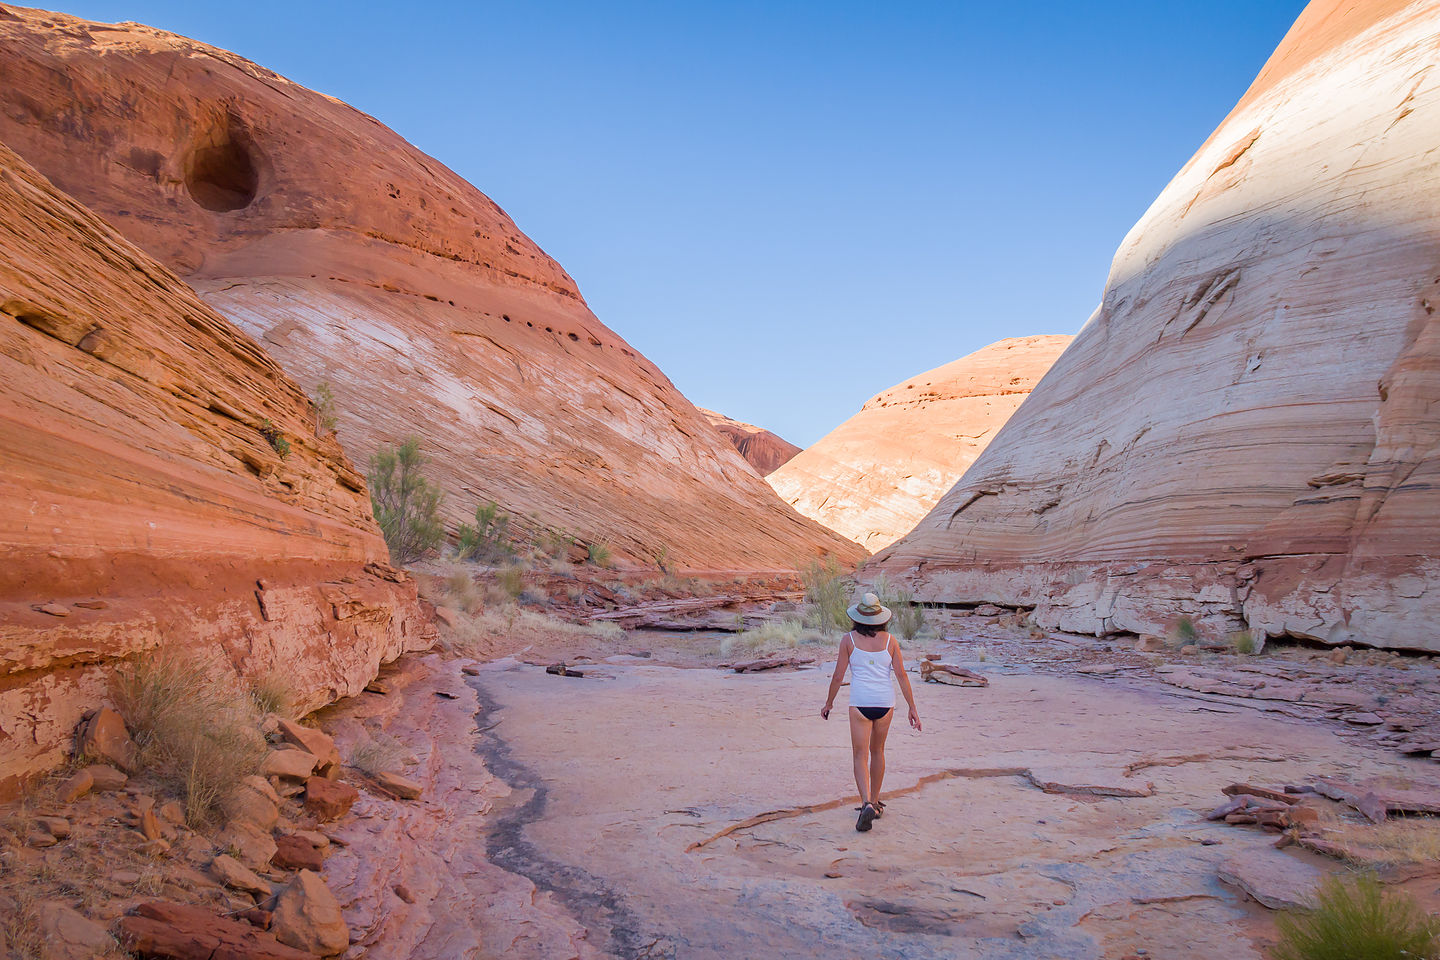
(867,629)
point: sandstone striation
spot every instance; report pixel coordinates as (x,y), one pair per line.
(763,450)
(141,494)
(877,474)
(1243,432)
(359,261)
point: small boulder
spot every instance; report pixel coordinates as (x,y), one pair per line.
(70,935)
(254,801)
(75,786)
(150,824)
(171,812)
(399,786)
(181,931)
(329,799)
(104,737)
(1150,644)
(250,845)
(313,837)
(319,743)
(307,916)
(237,876)
(1339,655)
(57,827)
(294,853)
(447,616)
(53,609)
(295,764)
(106,777)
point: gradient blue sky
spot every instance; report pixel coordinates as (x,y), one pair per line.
(789,206)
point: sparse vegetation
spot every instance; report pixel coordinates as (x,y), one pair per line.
(406,505)
(554,543)
(908,618)
(662,559)
(324,402)
(195,726)
(377,753)
(272,693)
(599,554)
(511,581)
(463,593)
(1396,841)
(1184,632)
(774,636)
(511,627)
(827,590)
(486,541)
(1356,919)
(1244,643)
(275,438)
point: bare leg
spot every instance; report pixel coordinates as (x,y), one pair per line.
(879,730)
(860,737)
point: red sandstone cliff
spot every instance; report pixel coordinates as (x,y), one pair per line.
(1245,430)
(141,503)
(763,450)
(877,474)
(354,258)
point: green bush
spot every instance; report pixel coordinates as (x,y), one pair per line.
(1244,643)
(1357,920)
(511,580)
(407,506)
(324,401)
(486,540)
(599,554)
(1185,632)
(275,438)
(828,591)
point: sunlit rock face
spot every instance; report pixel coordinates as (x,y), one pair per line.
(353,258)
(877,474)
(162,487)
(763,450)
(1245,430)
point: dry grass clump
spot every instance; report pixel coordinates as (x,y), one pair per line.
(511,627)
(378,753)
(1244,643)
(273,693)
(195,725)
(774,636)
(463,592)
(1396,841)
(1357,920)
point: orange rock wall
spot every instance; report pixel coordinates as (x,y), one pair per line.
(1245,431)
(877,474)
(140,505)
(355,259)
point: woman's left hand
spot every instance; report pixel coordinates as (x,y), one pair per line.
(915,719)
(825,712)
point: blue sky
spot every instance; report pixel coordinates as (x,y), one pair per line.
(789,206)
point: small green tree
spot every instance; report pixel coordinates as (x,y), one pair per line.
(828,590)
(324,401)
(486,540)
(407,506)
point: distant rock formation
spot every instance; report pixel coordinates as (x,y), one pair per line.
(1245,432)
(763,450)
(358,260)
(877,474)
(162,488)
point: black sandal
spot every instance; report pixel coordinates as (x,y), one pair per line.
(879,809)
(867,817)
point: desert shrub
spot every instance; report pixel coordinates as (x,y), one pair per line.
(662,559)
(1244,643)
(908,618)
(406,505)
(1357,920)
(828,591)
(462,592)
(554,543)
(774,636)
(324,402)
(377,753)
(275,438)
(486,540)
(511,581)
(272,693)
(195,726)
(599,554)
(512,627)
(1185,633)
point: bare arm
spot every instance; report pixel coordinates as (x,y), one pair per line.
(842,663)
(898,662)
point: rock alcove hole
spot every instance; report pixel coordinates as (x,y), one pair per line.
(222,176)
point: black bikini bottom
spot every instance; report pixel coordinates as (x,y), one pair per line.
(873,713)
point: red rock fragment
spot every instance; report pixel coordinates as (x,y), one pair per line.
(329,799)
(294,853)
(104,737)
(175,931)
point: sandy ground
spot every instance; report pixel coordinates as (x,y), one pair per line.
(622,782)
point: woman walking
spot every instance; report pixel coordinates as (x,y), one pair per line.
(873,657)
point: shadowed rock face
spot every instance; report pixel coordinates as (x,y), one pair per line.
(877,474)
(763,450)
(355,259)
(1239,432)
(141,503)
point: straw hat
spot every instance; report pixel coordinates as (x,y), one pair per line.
(869,610)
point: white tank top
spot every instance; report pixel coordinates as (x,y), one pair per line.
(870,677)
